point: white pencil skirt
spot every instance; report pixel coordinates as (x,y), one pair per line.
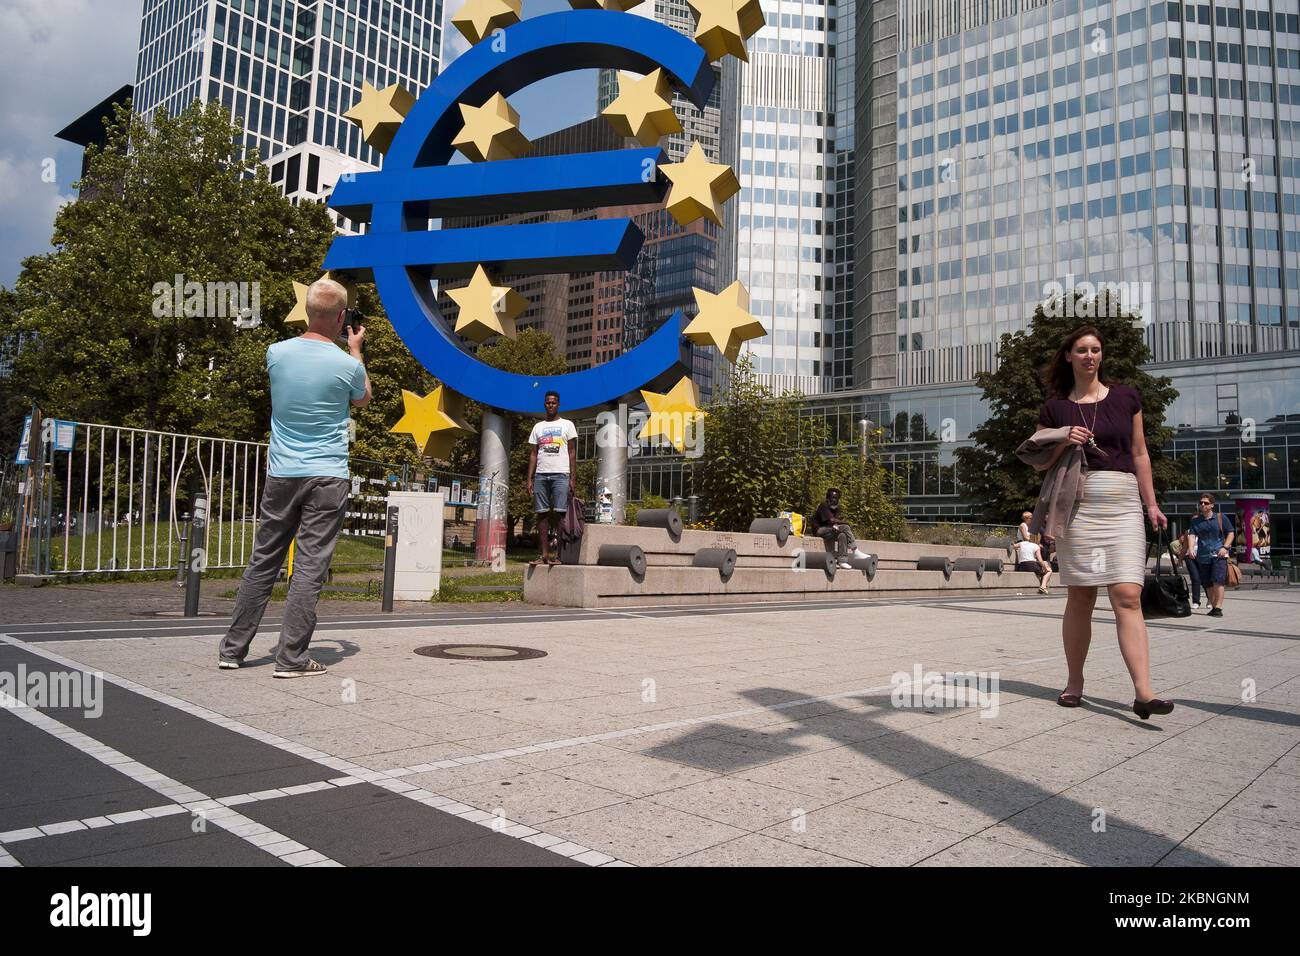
(1105,540)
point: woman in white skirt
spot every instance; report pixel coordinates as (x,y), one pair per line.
(1104,543)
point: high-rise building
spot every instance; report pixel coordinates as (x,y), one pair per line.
(1149,147)
(778,134)
(288,69)
(698,125)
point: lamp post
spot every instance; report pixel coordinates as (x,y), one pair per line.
(865,424)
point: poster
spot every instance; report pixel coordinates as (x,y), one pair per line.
(455,493)
(1256,529)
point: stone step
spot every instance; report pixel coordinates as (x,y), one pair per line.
(589,586)
(752,550)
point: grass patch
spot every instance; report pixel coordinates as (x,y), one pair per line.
(454,590)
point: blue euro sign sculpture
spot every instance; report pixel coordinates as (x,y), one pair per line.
(416,184)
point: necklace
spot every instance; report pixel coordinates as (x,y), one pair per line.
(1092,442)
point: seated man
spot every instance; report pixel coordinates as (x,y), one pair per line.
(828,526)
(1029,557)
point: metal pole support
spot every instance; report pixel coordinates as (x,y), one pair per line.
(390,558)
(198,551)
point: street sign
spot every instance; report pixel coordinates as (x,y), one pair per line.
(23,457)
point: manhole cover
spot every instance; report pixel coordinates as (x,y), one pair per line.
(480,652)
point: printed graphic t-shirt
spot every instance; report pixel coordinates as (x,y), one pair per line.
(311,384)
(552,441)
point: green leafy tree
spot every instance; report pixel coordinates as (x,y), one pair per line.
(101,337)
(999,483)
(762,457)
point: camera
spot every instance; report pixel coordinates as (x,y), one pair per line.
(352,320)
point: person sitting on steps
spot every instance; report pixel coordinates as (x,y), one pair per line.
(828,525)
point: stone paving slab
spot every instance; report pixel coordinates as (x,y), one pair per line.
(772,736)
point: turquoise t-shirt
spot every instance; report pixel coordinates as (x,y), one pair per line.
(312,383)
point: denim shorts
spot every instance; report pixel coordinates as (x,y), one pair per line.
(550,493)
(1212,570)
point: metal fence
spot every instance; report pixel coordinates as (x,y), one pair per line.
(109,499)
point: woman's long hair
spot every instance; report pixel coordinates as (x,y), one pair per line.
(1057,375)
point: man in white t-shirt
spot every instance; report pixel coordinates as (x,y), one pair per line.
(552,470)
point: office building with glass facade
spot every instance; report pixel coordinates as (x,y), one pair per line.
(288,69)
(778,134)
(1151,145)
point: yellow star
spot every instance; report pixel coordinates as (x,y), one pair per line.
(723,320)
(435,421)
(480,18)
(672,414)
(644,108)
(699,187)
(379,113)
(486,309)
(298,314)
(491,131)
(723,26)
(603,4)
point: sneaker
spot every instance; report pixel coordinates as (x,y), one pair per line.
(226,664)
(1196,605)
(1216,612)
(860,554)
(312,669)
(846,566)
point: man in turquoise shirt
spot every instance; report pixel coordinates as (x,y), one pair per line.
(307,483)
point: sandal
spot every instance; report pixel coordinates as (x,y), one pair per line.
(1069,700)
(536,563)
(552,562)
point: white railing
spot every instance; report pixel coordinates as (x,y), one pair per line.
(117,499)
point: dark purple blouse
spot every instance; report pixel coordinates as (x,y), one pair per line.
(1113,430)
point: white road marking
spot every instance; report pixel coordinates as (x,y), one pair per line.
(223,815)
(185,798)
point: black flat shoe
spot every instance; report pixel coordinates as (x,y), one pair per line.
(1145,708)
(1069,700)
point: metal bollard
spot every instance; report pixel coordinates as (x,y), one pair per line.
(390,559)
(693,508)
(198,553)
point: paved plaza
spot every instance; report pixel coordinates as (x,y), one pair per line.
(766,735)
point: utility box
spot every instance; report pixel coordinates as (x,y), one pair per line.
(8,555)
(418,562)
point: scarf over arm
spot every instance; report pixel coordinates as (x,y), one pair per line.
(1062,485)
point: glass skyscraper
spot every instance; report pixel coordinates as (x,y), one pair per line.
(778,134)
(1149,145)
(288,68)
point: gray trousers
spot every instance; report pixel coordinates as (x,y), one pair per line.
(312,509)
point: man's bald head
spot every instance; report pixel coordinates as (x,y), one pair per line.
(325,300)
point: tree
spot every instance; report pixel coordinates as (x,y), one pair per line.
(999,483)
(761,457)
(102,339)
(177,196)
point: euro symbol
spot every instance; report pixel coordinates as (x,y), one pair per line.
(417,184)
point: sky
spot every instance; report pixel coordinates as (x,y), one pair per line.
(59,58)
